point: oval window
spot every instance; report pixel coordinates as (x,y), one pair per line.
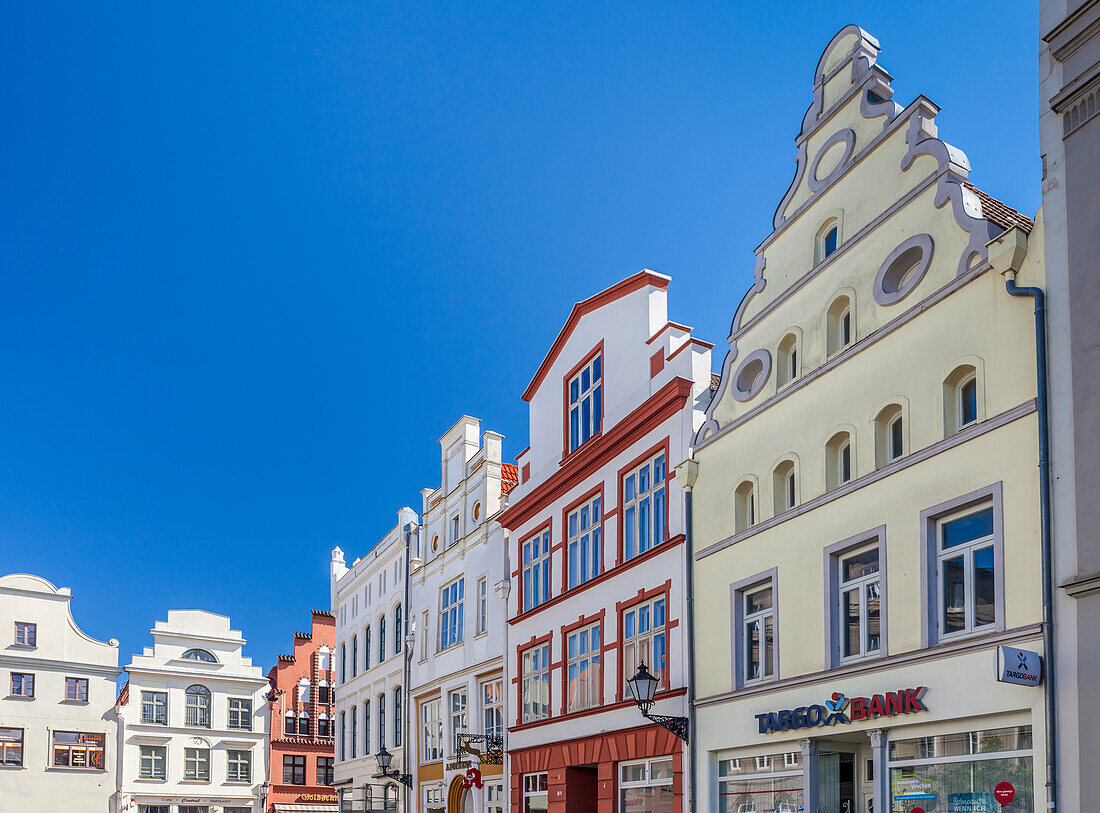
(903,270)
(751,375)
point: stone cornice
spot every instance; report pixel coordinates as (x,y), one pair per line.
(51,665)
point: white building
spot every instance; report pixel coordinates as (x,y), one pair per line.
(459,586)
(58,728)
(368,600)
(193,721)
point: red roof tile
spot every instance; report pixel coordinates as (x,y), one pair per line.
(509,477)
(996,212)
(715,380)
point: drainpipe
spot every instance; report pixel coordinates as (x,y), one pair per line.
(412,530)
(1006,254)
(687,472)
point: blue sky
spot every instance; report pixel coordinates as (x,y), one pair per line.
(255,258)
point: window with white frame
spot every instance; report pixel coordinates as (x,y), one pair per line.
(494,797)
(11,747)
(960,399)
(382,639)
(450,613)
(22,684)
(744,506)
(304,724)
(398,631)
(492,708)
(240,713)
(152,761)
(784,483)
(646,785)
(431,730)
(26,634)
(290,723)
(838,460)
(536,793)
(303,690)
(76,689)
(238,766)
(645,641)
(966,567)
(586,402)
(585,529)
(433,798)
(424,636)
(197,706)
(366,647)
(584,687)
(353,739)
(457,701)
(355,655)
(535,687)
(455,529)
(381,721)
(838,325)
(482,605)
(787,369)
(536,570)
(889,435)
(859,604)
(644,507)
(78,749)
(758,633)
(366,727)
(196,764)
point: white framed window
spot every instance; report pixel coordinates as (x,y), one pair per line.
(895,439)
(355,655)
(78,749)
(240,713)
(967,402)
(744,506)
(424,636)
(645,640)
(366,727)
(22,684)
(889,434)
(196,764)
(431,730)
(536,793)
(397,700)
(482,605)
(152,761)
(584,527)
(757,633)
(787,370)
(492,708)
(238,766)
(454,529)
(784,482)
(398,631)
(290,723)
(535,687)
(366,647)
(966,566)
(494,797)
(353,740)
(433,798)
(450,613)
(838,328)
(457,702)
(646,785)
(859,597)
(584,681)
(381,721)
(154,708)
(26,634)
(769,783)
(197,706)
(11,747)
(829,241)
(303,690)
(586,402)
(199,655)
(644,507)
(76,689)
(536,570)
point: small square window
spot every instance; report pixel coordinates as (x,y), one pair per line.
(76,689)
(22,684)
(26,634)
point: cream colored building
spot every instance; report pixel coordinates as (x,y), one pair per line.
(459,586)
(866,498)
(58,728)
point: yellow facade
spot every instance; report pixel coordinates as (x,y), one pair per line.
(939,319)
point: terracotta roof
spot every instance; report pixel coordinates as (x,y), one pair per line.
(996,212)
(124,695)
(715,380)
(325,613)
(509,477)
(286,659)
(307,635)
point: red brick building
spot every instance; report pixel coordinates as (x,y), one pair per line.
(303,744)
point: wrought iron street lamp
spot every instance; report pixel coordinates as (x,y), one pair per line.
(385,759)
(642,688)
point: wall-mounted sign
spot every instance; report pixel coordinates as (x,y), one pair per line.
(910,787)
(318,797)
(841,709)
(1020,666)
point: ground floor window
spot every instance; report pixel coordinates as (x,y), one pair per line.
(194,809)
(646,786)
(494,798)
(11,746)
(433,799)
(236,810)
(153,809)
(75,749)
(763,784)
(536,793)
(972,771)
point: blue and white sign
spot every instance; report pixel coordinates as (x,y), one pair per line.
(1020,666)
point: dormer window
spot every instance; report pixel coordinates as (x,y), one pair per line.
(585,393)
(199,655)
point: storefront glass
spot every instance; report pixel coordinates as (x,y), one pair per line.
(764,784)
(987,771)
(646,787)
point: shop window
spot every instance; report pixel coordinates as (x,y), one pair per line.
(646,785)
(785,487)
(786,369)
(644,507)
(755,631)
(744,506)
(585,528)
(584,680)
(457,703)
(431,730)
(152,761)
(770,783)
(838,325)
(535,687)
(645,640)
(838,460)
(536,793)
(536,570)
(585,392)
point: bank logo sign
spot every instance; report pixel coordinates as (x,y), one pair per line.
(1020,666)
(839,709)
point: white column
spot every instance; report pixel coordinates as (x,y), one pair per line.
(881,786)
(810,775)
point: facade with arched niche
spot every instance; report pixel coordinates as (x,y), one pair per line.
(866,498)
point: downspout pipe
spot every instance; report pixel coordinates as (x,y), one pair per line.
(688,472)
(412,531)
(1006,254)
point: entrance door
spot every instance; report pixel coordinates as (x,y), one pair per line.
(837,782)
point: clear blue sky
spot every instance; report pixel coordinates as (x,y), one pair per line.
(255,258)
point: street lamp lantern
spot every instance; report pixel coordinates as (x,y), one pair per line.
(384,758)
(643,687)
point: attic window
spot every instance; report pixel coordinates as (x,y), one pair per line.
(199,655)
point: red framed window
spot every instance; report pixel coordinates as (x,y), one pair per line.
(645,640)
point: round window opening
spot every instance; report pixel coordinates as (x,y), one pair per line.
(435,543)
(477,510)
(751,375)
(903,270)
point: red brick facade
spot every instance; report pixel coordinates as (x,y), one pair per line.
(302,724)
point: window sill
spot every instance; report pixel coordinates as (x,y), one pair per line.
(150,780)
(194,781)
(20,697)
(74,702)
(77,769)
(12,767)
(25,646)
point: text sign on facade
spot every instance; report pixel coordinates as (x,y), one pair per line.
(841,709)
(1020,666)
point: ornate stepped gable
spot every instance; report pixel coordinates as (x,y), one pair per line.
(853,117)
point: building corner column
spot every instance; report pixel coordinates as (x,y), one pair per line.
(809,774)
(881,782)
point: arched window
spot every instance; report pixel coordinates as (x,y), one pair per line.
(786,369)
(839,327)
(343,663)
(343,735)
(324,692)
(889,435)
(354,656)
(389,799)
(353,736)
(827,240)
(366,647)
(838,460)
(744,506)
(961,403)
(303,723)
(324,659)
(381,721)
(397,717)
(324,725)
(381,639)
(303,690)
(290,725)
(397,630)
(197,706)
(366,727)
(199,655)
(785,486)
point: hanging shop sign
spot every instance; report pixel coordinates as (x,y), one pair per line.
(1020,666)
(839,709)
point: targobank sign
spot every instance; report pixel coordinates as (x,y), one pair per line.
(842,710)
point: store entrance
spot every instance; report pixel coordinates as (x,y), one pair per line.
(836,782)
